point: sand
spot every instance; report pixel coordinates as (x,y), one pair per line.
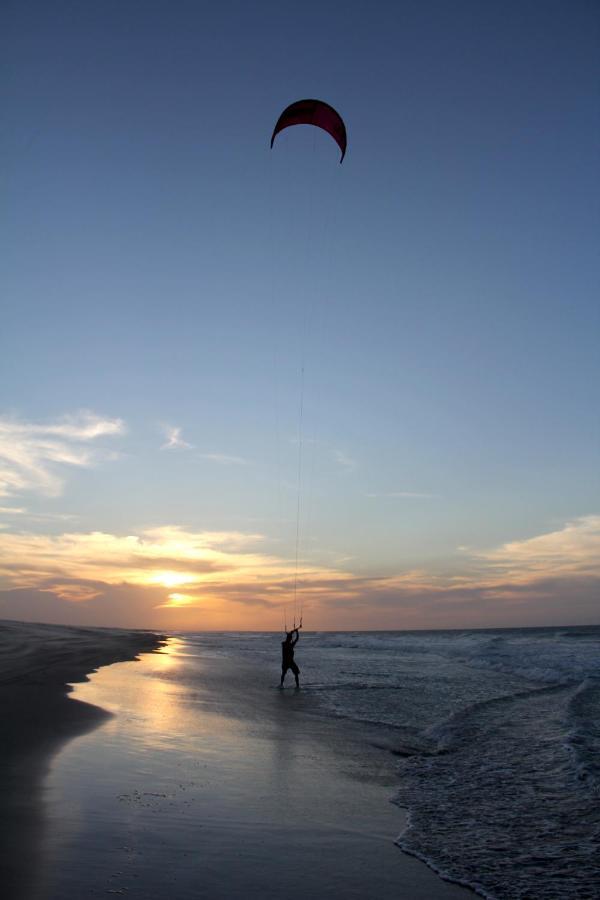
(37,665)
(188,778)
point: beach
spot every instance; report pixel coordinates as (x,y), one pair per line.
(37,665)
(421,765)
(186,775)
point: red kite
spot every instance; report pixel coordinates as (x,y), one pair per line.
(314,112)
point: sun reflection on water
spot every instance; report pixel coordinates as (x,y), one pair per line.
(153,702)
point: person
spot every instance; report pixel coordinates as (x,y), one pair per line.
(287,655)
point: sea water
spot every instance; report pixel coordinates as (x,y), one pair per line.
(497,740)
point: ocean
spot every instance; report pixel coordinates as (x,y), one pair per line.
(496,735)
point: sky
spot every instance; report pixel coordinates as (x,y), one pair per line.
(239,384)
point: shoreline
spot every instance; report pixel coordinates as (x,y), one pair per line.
(38,665)
(342,814)
(211,782)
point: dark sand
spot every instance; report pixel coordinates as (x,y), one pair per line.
(37,664)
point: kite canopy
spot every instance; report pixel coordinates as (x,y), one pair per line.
(314,112)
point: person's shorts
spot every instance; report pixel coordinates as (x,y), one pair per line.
(292,665)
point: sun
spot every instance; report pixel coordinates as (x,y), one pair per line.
(171,579)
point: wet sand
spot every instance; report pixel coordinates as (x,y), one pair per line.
(208,782)
(37,664)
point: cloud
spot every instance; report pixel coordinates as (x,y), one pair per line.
(124,606)
(174,440)
(573,550)
(32,454)
(177,578)
(343,460)
(224,566)
(224,459)
(36,516)
(167,556)
(399,495)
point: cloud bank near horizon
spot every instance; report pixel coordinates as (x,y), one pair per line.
(168,577)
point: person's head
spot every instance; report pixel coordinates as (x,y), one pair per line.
(288,636)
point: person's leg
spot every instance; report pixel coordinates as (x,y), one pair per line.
(283,671)
(296,672)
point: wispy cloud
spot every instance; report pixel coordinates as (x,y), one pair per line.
(343,460)
(33,453)
(401,495)
(174,440)
(574,549)
(224,459)
(30,515)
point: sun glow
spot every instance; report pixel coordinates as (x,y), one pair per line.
(172,579)
(177,599)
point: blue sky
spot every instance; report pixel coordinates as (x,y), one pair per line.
(164,269)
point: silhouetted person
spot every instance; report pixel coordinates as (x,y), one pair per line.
(287,655)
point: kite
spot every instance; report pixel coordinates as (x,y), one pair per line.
(314,112)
